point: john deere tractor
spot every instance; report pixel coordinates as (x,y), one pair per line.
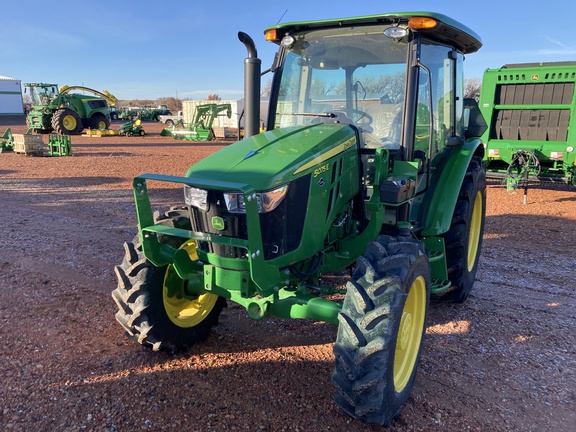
(67,113)
(370,162)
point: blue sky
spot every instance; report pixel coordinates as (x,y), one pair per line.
(151,49)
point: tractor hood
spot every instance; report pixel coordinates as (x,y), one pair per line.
(276,157)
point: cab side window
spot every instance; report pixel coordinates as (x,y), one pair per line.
(446,83)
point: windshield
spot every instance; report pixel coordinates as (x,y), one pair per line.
(43,95)
(354,76)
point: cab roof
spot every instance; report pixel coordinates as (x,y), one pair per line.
(448,31)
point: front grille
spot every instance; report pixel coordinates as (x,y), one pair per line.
(281,228)
(234,226)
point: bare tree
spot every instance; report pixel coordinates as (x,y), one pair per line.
(267,88)
(472,87)
(214,97)
(173,104)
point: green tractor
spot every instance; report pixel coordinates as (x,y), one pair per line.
(67,113)
(113,112)
(370,163)
(151,114)
(127,113)
(145,113)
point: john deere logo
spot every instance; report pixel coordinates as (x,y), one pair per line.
(218,223)
(535,77)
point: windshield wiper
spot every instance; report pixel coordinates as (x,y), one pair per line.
(320,114)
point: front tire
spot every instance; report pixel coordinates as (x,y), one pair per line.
(381,329)
(150,306)
(464,238)
(66,122)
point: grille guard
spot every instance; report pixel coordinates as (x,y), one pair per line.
(263,274)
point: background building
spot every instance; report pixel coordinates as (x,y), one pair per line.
(10,96)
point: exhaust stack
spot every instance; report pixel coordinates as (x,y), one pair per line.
(252,72)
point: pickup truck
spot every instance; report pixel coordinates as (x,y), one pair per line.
(170,120)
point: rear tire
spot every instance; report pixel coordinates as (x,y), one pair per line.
(151,314)
(464,238)
(169,123)
(382,325)
(99,122)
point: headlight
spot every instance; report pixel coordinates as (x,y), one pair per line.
(196,197)
(267,201)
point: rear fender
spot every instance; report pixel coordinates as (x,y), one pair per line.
(439,202)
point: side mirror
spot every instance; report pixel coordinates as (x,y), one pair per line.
(474,123)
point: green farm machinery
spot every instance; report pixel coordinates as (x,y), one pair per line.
(371,163)
(132,129)
(67,113)
(531,112)
(126,129)
(152,114)
(127,113)
(113,112)
(59,145)
(143,113)
(200,129)
(7,141)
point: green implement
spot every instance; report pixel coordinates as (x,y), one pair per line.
(59,145)
(201,127)
(531,113)
(7,141)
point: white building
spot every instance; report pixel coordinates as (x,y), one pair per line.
(10,96)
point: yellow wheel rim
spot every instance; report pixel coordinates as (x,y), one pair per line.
(101,125)
(475,231)
(182,311)
(409,335)
(69,123)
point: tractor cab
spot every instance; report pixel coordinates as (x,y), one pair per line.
(42,94)
(394,80)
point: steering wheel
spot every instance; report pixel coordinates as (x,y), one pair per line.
(352,112)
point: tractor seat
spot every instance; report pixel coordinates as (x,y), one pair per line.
(386,125)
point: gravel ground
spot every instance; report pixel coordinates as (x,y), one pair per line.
(504,360)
